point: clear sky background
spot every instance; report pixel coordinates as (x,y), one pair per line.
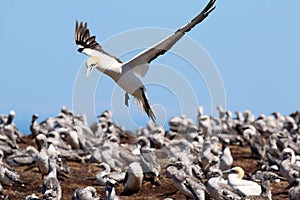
(255,45)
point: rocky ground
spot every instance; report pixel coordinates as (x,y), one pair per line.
(81,175)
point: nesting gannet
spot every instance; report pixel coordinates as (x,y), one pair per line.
(106,175)
(218,187)
(287,160)
(133,179)
(109,153)
(149,161)
(22,156)
(186,184)
(88,192)
(54,137)
(125,74)
(51,188)
(71,138)
(265,178)
(245,187)
(210,147)
(256,141)
(7,175)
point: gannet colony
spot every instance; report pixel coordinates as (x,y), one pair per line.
(223,157)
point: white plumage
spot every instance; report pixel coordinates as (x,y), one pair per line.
(126,74)
(245,187)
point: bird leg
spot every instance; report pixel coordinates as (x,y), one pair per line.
(126,99)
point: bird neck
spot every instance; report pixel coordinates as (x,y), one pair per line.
(9,120)
(106,63)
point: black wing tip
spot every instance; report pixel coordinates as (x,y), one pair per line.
(147,107)
(210,7)
(83,38)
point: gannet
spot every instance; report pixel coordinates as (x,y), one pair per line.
(133,179)
(186,184)
(106,175)
(245,187)
(273,153)
(35,128)
(51,188)
(7,175)
(149,161)
(288,159)
(226,159)
(71,137)
(265,179)
(22,156)
(218,187)
(221,111)
(9,129)
(256,141)
(126,74)
(41,159)
(88,192)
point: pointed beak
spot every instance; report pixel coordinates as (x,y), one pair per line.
(227,171)
(88,72)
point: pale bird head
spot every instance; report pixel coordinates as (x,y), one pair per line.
(288,153)
(91,64)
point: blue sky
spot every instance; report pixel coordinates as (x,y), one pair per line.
(254,44)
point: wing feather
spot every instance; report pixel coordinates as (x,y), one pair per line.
(160,48)
(87,44)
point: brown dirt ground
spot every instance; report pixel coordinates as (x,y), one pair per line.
(81,175)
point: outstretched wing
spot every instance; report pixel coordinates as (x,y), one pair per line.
(160,48)
(87,44)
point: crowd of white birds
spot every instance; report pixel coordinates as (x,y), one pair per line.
(195,156)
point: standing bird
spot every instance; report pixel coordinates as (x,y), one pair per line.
(186,184)
(133,179)
(51,188)
(41,158)
(125,74)
(149,161)
(226,159)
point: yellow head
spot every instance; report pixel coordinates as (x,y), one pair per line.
(239,171)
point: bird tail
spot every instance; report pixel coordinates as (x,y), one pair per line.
(143,105)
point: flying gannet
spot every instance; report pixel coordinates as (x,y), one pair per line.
(126,74)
